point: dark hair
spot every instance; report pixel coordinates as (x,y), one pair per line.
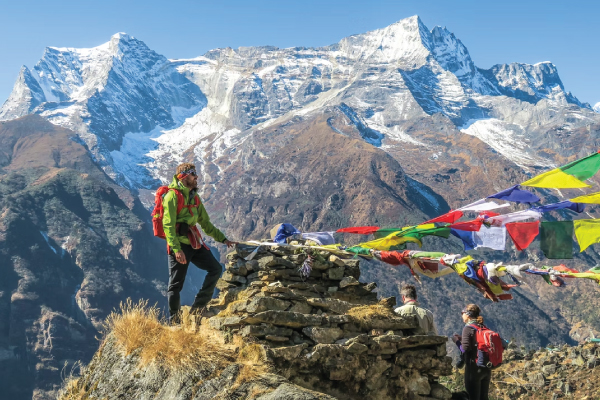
(473,311)
(409,291)
(184,167)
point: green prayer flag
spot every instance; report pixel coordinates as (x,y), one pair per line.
(583,168)
(359,250)
(557,239)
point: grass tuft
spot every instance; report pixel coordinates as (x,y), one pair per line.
(362,315)
(138,327)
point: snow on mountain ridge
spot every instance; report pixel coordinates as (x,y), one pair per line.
(122,97)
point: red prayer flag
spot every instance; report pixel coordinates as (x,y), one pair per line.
(564,268)
(450,217)
(472,226)
(523,233)
(394,257)
(362,230)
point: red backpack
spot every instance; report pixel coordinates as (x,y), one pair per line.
(490,347)
(158,211)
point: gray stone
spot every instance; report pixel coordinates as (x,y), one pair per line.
(300,307)
(323,335)
(537,379)
(336,273)
(337,306)
(357,348)
(278,339)
(549,369)
(336,260)
(231,278)
(270,262)
(419,385)
(252,265)
(260,304)
(352,263)
(264,330)
(224,322)
(284,318)
(321,265)
(439,391)
(348,281)
(288,353)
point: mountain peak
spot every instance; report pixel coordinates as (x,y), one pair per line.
(122,36)
(407,42)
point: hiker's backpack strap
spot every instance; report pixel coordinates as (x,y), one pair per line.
(180,200)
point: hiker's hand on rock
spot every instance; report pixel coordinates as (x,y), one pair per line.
(229,243)
(180,257)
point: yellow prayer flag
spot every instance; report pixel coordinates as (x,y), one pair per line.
(389,241)
(555,179)
(587,232)
(592,198)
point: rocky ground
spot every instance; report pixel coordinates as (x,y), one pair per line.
(570,372)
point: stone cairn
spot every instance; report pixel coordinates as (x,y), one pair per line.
(301,305)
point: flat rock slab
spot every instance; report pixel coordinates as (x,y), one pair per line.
(260,304)
(224,322)
(420,340)
(284,318)
(393,323)
(335,305)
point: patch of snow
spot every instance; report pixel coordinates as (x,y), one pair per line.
(507,139)
(597,107)
(45,235)
(425,192)
(396,134)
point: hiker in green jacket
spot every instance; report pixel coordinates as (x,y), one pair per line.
(185,244)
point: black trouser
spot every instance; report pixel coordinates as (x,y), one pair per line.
(201,258)
(477,381)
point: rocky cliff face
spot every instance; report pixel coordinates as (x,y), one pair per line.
(73,245)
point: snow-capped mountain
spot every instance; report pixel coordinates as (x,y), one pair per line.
(597,107)
(140,113)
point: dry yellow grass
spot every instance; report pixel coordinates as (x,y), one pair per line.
(138,328)
(363,314)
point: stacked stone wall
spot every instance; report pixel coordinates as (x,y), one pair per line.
(314,334)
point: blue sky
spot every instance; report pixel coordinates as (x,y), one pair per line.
(529,31)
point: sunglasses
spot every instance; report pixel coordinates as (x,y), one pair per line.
(190,172)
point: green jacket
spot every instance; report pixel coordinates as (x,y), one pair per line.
(170,218)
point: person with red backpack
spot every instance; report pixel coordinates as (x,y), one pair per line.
(176,213)
(482,351)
